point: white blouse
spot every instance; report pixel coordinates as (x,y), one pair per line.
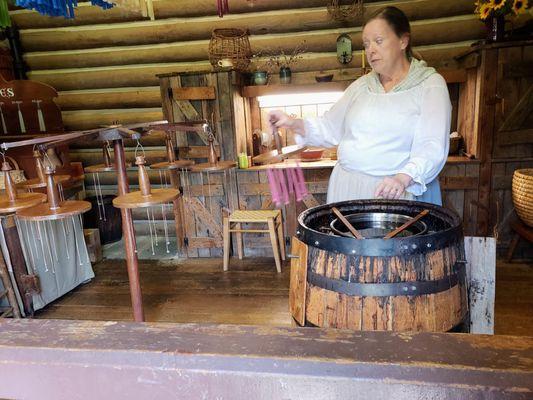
(383,134)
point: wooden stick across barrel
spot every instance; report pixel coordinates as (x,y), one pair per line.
(406,225)
(346,223)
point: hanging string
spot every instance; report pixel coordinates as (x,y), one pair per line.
(62,221)
(151,234)
(165,228)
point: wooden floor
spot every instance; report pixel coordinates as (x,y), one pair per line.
(250,293)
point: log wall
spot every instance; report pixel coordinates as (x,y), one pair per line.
(104,63)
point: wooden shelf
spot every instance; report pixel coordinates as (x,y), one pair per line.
(329,163)
(262,90)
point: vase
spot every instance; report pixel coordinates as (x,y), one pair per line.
(260,78)
(495,28)
(285,75)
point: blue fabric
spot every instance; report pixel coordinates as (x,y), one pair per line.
(432,194)
(58,8)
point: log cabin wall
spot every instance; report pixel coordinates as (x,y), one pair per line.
(104,65)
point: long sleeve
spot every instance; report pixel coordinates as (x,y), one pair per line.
(430,145)
(327,130)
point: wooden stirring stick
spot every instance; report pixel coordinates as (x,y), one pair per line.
(346,223)
(406,225)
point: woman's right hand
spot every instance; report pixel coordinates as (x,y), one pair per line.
(279,119)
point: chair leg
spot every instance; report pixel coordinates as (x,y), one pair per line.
(274,241)
(240,245)
(512,247)
(281,238)
(226,234)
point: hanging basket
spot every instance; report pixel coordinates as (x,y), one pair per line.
(346,13)
(229,49)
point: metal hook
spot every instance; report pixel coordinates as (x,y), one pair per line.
(139,145)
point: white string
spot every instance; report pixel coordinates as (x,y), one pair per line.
(76,240)
(164,212)
(47,235)
(155,227)
(97,197)
(65,236)
(61,194)
(99,189)
(42,246)
(150,228)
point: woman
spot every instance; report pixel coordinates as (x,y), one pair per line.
(391,126)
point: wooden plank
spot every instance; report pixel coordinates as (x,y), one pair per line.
(203,216)
(520,136)
(480,254)
(255,91)
(438,55)
(128,97)
(87,14)
(458,182)
(487,91)
(194,93)
(259,23)
(89,119)
(298,287)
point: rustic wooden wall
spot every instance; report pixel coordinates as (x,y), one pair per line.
(104,63)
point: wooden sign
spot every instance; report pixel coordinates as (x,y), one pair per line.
(27,107)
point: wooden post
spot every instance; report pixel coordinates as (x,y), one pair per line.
(51,189)
(128,235)
(487,79)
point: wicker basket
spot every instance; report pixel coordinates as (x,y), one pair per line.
(229,49)
(345,13)
(523,194)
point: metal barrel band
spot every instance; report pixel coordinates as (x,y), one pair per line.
(415,288)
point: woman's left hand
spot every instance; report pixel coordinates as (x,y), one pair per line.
(393,187)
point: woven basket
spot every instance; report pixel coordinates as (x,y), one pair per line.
(523,194)
(345,13)
(229,49)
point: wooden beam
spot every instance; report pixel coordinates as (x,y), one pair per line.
(88,119)
(424,32)
(147,97)
(440,55)
(183,29)
(87,14)
(128,97)
(247,362)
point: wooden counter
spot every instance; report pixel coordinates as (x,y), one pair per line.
(329,163)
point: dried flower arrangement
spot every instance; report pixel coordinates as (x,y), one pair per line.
(278,58)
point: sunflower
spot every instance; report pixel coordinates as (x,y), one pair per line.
(497,4)
(519,6)
(484,11)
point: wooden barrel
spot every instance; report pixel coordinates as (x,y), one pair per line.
(412,283)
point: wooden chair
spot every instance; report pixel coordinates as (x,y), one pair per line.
(272,218)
